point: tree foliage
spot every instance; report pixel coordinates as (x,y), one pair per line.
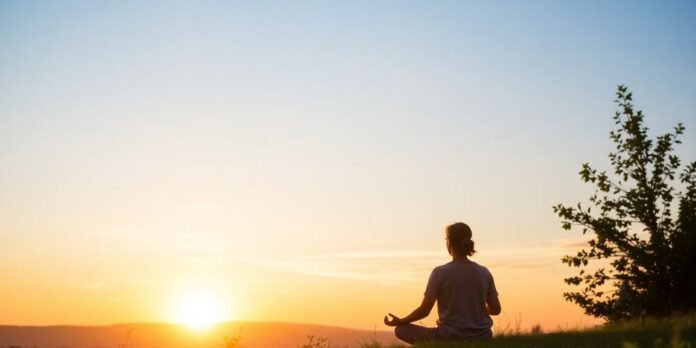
(641,260)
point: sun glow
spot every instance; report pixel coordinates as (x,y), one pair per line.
(200,310)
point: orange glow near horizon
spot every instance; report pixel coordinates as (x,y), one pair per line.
(199,310)
(339,289)
(352,289)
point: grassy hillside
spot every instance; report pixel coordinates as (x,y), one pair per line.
(678,332)
(675,333)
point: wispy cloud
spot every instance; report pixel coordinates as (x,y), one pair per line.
(520,266)
(378,254)
(386,266)
(379,266)
(575,245)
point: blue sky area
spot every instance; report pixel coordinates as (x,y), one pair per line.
(384,120)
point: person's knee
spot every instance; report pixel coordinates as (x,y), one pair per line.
(401,332)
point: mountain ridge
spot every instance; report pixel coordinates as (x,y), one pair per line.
(254,334)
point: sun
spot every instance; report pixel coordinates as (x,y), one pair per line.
(200,310)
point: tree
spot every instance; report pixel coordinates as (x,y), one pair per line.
(643,255)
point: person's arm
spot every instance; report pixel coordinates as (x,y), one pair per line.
(419,313)
(431,294)
(492,301)
(493,305)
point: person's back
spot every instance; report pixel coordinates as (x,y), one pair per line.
(462,288)
(465,294)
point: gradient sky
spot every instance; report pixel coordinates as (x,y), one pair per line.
(300,159)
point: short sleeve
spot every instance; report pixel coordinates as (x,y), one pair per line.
(434,282)
(492,291)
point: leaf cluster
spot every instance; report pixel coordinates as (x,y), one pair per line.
(638,244)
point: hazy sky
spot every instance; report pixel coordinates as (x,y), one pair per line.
(301,158)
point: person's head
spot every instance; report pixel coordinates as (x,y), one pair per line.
(459,239)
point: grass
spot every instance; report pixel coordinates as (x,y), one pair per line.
(677,332)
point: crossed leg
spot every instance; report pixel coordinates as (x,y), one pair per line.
(411,333)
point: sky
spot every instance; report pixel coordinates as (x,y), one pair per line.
(298,161)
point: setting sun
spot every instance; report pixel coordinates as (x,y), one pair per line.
(200,310)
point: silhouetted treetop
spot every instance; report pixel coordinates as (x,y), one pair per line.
(643,256)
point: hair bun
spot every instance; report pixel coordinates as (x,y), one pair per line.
(468,247)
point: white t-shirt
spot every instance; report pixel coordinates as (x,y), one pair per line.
(461,289)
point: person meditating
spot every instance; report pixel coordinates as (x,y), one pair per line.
(465,293)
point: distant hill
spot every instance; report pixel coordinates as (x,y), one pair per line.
(151,335)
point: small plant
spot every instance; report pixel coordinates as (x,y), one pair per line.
(316,342)
(371,344)
(233,341)
(127,338)
(511,327)
(536,330)
(376,344)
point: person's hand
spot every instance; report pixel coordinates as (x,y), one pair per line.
(394,320)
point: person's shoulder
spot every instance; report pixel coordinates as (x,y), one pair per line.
(483,269)
(437,273)
(442,268)
(480,266)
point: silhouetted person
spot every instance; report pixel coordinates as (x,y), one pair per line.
(465,294)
